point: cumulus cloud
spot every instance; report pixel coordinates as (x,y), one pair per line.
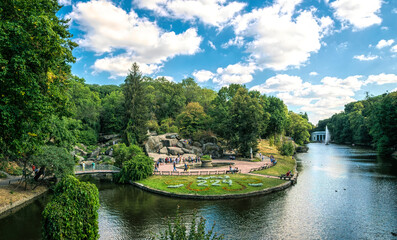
(239,73)
(108,28)
(384,43)
(319,100)
(365,58)
(382,78)
(358,13)
(211,12)
(313,73)
(282,37)
(203,75)
(394,49)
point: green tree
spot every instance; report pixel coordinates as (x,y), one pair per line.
(56,161)
(124,153)
(245,122)
(278,116)
(73,211)
(139,167)
(298,128)
(192,119)
(136,109)
(112,113)
(35,52)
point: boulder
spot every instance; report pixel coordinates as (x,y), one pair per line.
(172,136)
(212,149)
(79,151)
(186,144)
(208,139)
(175,150)
(197,144)
(185,150)
(95,153)
(197,150)
(163,150)
(153,144)
(169,142)
(179,144)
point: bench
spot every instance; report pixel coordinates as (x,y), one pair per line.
(285,177)
(233,171)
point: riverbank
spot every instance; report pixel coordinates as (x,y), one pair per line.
(13,197)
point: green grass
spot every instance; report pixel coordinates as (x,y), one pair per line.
(284,163)
(239,184)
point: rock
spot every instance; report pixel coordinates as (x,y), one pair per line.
(164,150)
(197,150)
(78,158)
(172,136)
(95,153)
(208,139)
(169,142)
(301,149)
(212,149)
(175,150)
(153,144)
(197,144)
(79,151)
(106,138)
(185,150)
(179,144)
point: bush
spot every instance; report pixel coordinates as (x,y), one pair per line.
(138,168)
(56,161)
(152,125)
(179,231)
(73,211)
(287,149)
(206,157)
(122,153)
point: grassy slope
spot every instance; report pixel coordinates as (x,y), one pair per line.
(240,184)
(284,163)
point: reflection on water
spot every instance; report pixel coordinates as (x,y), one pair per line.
(342,193)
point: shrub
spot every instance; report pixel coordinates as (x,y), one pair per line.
(152,125)
(122,153)
(139,167)
(206,157)
(56,161)
(73,211)
(287,149)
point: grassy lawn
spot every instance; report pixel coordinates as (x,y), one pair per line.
(284,163)
(239,184)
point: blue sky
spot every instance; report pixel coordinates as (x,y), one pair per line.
(316,55)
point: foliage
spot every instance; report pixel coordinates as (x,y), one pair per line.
(287,148)
(56,161)
(152,125)
(167,126)
(35,52)
(136,107)
(178,230)
(122,153)
(192,119)
(72,212)
(298,128)
(11,168)
(138,168)
(370,121)
(245,126)
(112,112)
(206,157)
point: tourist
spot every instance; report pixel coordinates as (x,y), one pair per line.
(185,169)
(83,166)
(33,168)
(174,163)
(230,167)
(93,165)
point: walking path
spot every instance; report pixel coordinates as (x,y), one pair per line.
(9,179)
(244,166)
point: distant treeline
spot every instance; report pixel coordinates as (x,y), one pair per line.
(372,121)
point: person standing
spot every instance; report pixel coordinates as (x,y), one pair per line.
(83,166)
(174,166)
(93,165)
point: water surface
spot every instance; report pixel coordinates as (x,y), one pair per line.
(342,193)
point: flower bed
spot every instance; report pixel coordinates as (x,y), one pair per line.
(210,185)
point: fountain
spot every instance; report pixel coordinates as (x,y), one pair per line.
(327,136)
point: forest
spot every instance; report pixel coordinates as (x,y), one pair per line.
(371,122)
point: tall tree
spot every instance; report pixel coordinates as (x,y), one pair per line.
(136,109)
(245,122)
(35,52)
(192,119)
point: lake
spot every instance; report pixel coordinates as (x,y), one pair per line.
(342,193)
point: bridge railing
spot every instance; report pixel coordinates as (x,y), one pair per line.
(97,167)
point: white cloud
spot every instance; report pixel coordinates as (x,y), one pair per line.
(394,90)
(108,28)
(394,49)
(382,78)
(211,45)
(237,41)
(394,10)
(384,43)
(65,2)
(282,37)
(365,58)
(384,28)
(313,73)
(211,12)
(319,100)
(238,73)
(203,75)
(361,14)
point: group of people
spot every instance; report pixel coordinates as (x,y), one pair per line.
(178,160)
(233,170)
